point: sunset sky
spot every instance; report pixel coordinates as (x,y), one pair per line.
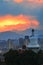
(20,15)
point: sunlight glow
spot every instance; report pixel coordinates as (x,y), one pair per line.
(19,23)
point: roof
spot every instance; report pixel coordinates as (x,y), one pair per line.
(33,46)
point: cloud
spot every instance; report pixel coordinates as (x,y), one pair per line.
(25,7)
(33,4)
(36,1)
(16,7)
(19,23)
(18,1)
(30,1)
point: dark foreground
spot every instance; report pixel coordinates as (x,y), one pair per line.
(23,58)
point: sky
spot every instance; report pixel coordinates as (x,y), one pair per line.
(20,15)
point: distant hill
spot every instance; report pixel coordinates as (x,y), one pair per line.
(28,32)
(17,34)
(9,35)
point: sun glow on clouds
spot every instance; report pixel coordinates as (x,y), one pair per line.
(27,4)
(19,23)
(19,1)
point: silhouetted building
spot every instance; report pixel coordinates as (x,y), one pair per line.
(15,43)
(21,42)
(26,37)
(26,40)
(10,44)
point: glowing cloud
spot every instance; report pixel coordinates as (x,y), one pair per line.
(27,3)
(18,1)
(19,23)
(32,1)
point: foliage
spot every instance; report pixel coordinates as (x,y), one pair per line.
(13,57)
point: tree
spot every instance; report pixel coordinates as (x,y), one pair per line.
(10,57)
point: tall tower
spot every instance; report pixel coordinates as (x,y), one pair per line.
(26,40)
(32,32)
(10,44)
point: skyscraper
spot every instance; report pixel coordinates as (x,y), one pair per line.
(9,44)
(26,40)
(21,42)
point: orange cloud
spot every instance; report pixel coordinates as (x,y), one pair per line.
(31,1)
(19,23)
(18,1)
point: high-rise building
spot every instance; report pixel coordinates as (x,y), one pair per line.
(21,42)
(26,40)
(10,44)
(15,43)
